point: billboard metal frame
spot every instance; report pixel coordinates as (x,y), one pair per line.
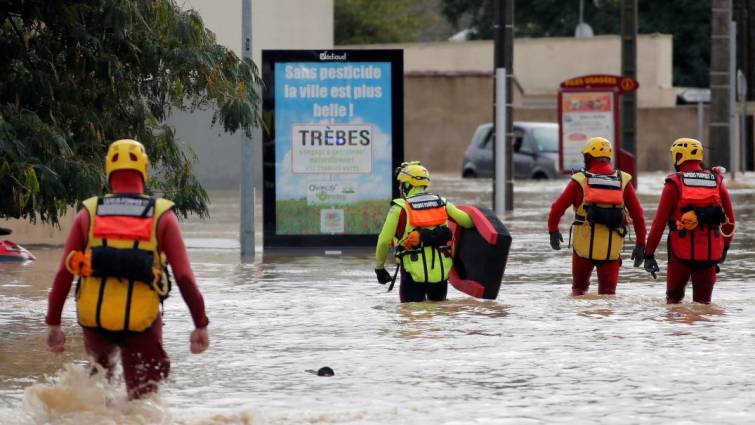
(340,242)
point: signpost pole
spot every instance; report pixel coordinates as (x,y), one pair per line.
(500,160)
(247,152)
(503,187)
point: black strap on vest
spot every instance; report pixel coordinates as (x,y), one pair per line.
(129,294)
(101,293)
(393,281)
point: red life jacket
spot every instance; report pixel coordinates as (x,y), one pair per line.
(699,192)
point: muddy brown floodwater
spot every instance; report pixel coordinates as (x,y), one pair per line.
(534,356)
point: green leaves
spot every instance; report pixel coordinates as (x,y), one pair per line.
(379,21)
(77,75)
(687,20)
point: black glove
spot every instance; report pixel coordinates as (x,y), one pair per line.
(723,256)
(638,254)
(383,276)
(651,266)
(556,240)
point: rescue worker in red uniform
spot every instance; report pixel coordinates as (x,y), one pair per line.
(119,247)
(600,196)
(696,207)
(417,228)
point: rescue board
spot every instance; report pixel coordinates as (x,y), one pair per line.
(479,254)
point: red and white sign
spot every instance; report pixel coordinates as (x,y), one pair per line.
(584,115)
(588,106)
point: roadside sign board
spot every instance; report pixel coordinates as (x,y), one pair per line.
(333,136)
(588,106)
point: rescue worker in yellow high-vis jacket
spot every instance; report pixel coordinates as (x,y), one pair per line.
(417,229)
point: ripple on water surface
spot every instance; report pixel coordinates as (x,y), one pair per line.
(534,356)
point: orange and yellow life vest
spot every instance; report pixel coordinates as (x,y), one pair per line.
(123,285)
(423,245)
(600,220)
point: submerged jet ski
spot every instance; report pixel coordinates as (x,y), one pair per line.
(10,251)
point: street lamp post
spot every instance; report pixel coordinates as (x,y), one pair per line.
(247,152)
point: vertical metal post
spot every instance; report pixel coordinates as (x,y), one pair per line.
(508,64)
(503,188)
(247,151)
(629,20)
(742,96)
(720,53)
(500,160)
(742,136)
(733,158)
(581,12)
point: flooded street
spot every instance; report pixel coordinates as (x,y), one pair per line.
(534,356)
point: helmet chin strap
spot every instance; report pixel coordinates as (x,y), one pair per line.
(405,188)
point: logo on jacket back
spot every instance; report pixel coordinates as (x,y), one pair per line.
(604,181)
(699,179)
(425,202)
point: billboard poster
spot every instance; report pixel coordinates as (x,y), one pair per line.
(334,135)
(588,106)
(584,115)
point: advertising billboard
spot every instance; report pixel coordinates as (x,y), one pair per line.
(334,134)
(588,106)
(584,115)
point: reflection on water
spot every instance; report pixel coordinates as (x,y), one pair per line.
(692,313)
(535,356)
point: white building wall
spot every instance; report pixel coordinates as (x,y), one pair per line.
(276,24)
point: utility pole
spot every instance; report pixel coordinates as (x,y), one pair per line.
(733,148)
(629,69)
(247,150)
(720,84)
(503,187)
(744,15)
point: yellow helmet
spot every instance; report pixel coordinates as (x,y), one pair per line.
(598,147)
(686,149)
(413,173)
(126,154)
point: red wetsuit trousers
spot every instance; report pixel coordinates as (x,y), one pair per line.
(581,269)
(679,273)
(144,361)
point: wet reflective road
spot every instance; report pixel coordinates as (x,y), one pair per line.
(534,356)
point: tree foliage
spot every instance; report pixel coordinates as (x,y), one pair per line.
(76,75)
(379,21)
(687,20)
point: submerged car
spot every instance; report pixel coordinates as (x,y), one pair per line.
(535,151)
